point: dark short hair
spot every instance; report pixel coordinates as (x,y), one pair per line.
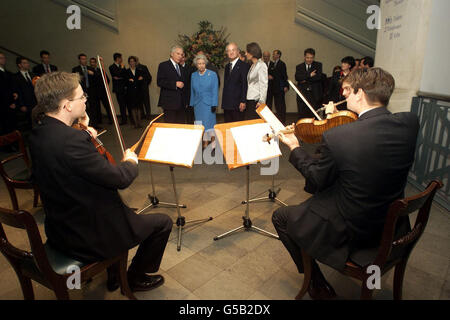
(116,56)
(376,83)
(254,49)
(310,51)
(359,60)
(369,61)
(20,59)
(132,57)
(350,60)
(44,52)
(81,55)
(278,52)
(92,59)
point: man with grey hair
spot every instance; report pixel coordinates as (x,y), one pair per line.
(171,78)
(235,85)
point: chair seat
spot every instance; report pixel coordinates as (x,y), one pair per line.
(23,175)
(58,261)
(365,257)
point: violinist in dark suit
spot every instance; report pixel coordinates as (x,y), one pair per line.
(234,94)
(145,90)
(363,167)
(26,100)
(99,91)
(45,66)
(309,82)
(7,99)
(117,70)
(134,84)
(171,78)
(88,84)
(85,216)
(278,85)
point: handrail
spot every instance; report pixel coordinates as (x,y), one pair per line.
(18,54)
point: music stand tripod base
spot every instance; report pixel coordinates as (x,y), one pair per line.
(154,201)
(247,223)
(272,196)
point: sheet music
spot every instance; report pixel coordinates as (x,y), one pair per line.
(271,119)
(174,145)
(250,145)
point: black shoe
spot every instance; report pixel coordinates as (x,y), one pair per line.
(321,290)
(112,284)
(145,282)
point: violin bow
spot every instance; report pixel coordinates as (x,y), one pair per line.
(304,100)
(141,139)
(111,106)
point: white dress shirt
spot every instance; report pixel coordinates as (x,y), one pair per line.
(233,63)
(26,75)
(258,80)
(366,111)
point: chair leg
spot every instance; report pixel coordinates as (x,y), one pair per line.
(27,287)
(61,291)
(124,287)
(307,272)
(399,274)
(36,197)
(366,293)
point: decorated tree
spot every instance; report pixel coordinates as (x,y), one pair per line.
(211,42)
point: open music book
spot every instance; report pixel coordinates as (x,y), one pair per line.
(250,146)
(175,145)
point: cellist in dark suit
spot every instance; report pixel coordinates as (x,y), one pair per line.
(85,216)
(171,78)
(234,95)
(362,168)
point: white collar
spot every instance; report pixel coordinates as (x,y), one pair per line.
(174,63)
(359,116)
(2,69)
(233,63)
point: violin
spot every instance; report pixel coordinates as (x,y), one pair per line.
(96,142)
(311,130)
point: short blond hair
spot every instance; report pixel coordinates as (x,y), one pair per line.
(51,89)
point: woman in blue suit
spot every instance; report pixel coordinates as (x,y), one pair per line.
(204,96)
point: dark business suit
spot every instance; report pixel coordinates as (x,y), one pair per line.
(39,69)
(234,90)
(310,87)
(276,88)
(100,95)
(85,216)
(363,168)
(119,89)
(335,90)
(172,99)
(145,90)
(7,115)
(134,89)
(25,90)
(88,85)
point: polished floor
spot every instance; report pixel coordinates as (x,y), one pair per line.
(242,266)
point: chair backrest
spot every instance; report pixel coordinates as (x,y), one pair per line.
(15,136)
(405,207)
(24,220)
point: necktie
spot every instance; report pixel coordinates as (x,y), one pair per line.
(27,76)
(47,68)
(178,69)
(307,67)
(86,76)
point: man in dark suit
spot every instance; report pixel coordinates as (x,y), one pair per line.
(278,85)
(117,70)
(7,99)
(88,84)
(45,66)
(85,216)
(309,82)
(171,78)
(234,95)
(26,100)
(362,168)
(99,91)
(145,90)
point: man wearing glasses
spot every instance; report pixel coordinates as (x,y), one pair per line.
(85,217)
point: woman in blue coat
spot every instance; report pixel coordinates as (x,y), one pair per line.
(204,96)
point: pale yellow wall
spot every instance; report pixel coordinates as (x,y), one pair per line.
(148,28)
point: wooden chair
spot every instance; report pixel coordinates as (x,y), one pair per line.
(47,265)
(21,180)
(392,252)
